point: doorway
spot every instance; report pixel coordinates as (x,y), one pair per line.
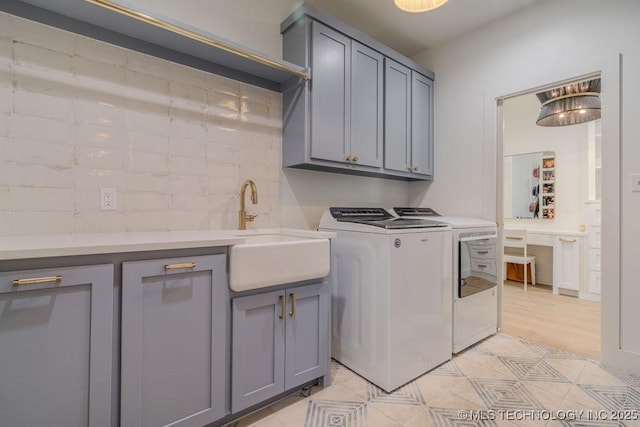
(550,189)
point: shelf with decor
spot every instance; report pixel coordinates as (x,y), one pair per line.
(548,170)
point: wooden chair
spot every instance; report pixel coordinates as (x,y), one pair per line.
(518,239)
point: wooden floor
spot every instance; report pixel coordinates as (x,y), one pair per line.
(560,321)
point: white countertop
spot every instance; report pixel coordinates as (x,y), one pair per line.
(40,246)
(549,232)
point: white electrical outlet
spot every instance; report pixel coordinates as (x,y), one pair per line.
(635,182)
(108,199)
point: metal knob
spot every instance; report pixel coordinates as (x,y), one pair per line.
(415,169)
(355,159)
(349,158)
(409,168)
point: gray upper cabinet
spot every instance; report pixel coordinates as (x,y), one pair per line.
(367,114)
(421,125)
(330,100)
(344,101)
(55,347)
(408,119)
(367,110)
(397,148)
(280,341)
(174,341)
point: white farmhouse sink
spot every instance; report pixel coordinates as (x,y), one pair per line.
(275,257)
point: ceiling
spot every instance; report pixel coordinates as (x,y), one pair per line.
(411,33)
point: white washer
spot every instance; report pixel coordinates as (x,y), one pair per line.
(391,294)
(475,296)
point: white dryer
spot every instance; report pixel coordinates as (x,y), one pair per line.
(474,283)
(391,294)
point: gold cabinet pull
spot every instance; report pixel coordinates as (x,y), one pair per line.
(282,307)
(349,158)
(415,169)
(483,252)
(179,266)
(293,304)
(563,239)
(410,169)
(513,238)
(355,159)
(482,265)
(37,280)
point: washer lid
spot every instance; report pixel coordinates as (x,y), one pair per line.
(380,217)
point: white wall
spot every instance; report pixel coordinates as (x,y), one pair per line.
(548,42)
(569,143)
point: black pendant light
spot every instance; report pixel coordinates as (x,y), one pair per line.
(570,105)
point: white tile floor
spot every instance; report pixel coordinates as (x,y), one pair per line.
(502,381)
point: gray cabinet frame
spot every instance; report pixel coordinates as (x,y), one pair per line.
(150,293)
(280,341)
(55,351)
(408,121)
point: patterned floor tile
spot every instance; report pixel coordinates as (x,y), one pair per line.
(633,399)
(421,419)
(446,417)
(479,348)
(549,394)
(432,386)
(501,373)
(594,373)
(570,369)
(625,377)
(611,397)
(448,369)
(322,413)
(505,394)
(484,367)
(406,395)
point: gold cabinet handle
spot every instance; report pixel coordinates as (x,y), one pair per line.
(483,252)
(415,169)
(410,169)
(349,158)
(482,265)
(293,304)
(563,239)
(37,280)
(282,307)
(355,159)
(513,238)
(179,266)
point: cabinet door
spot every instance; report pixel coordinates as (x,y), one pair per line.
(173,341)
(257,371)
(397,116)
(566,263)
(55,351)
(366,105)
(307,334)
(421,124)
(330,89)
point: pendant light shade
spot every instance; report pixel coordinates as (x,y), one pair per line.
(570,105)
(418,5)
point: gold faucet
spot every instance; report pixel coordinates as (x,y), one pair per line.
(243,218)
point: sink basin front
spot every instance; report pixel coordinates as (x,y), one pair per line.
(277,258)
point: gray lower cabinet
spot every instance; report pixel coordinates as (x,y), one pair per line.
(280,340)
(408,119)
(174,345)
(55,347)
